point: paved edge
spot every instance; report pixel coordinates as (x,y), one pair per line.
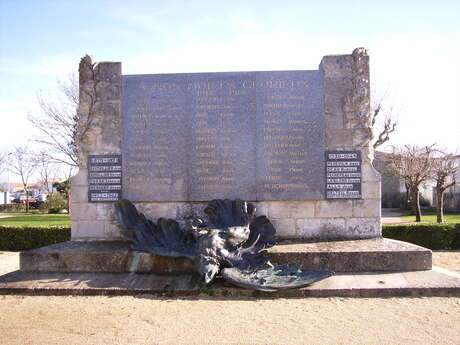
(433,283)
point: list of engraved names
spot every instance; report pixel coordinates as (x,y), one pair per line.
(248,135)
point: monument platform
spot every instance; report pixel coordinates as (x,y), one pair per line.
(365,268)
(378,254)
(435,282)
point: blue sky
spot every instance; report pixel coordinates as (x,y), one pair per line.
(414,48)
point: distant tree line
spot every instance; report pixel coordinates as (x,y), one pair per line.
(417,165)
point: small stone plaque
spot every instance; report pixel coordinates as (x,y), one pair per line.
(343,175)
(104,178)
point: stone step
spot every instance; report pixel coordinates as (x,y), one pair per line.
(435,282)
(100,256)
(377,254)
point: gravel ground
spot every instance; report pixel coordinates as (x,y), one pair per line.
(147,320)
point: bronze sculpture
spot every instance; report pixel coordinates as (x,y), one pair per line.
(231,241)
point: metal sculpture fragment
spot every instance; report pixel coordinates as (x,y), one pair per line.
(230,242)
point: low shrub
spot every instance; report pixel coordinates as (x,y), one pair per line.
(12,208)
(56,203)
(456,240)
(432,236)
(21,238)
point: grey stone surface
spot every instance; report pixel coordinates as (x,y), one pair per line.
(359,284)
(222,155)
(367,208)
(290,136)
(321,228)
(341,102)
(363,228)
(98,133)
(371,190)
(302,209)
(79,194)
(249,135)
(84,211)
(100,256)
(290,209)
(333,208)
(378,254)
(285,227)
(87,229)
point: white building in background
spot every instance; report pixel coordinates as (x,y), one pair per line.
(16,189)
(452,195)
(5,198)
(394,189)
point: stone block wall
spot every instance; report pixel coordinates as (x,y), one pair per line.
(346,106)
(99,132)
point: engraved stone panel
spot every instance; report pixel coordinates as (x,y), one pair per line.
(104,178)
(221,146)
(343,175)
(290,136)
(156,112)
(248,135)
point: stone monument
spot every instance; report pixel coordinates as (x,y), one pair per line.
(294,143)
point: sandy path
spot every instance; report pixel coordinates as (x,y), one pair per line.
(6,215)
(129,320)
(392,216)
(147,320)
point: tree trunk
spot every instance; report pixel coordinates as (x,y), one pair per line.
(27,201)
(408,196)
(68,202)
(415,196)
(439,206)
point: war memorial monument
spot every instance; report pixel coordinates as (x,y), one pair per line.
(288,151)
(296,143)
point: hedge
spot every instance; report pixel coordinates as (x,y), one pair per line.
(432,236)
(12,208)
(20,208)
(29,237)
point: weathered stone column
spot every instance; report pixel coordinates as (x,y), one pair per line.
(99,132)
(348,127)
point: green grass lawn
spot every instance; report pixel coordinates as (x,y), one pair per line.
(37,220)
(430,217)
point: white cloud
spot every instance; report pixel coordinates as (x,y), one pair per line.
(45,67)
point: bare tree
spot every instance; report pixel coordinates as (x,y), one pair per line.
(23,164)
(443,173)
(3,161)
(387,127)
(57,122)
(47,171)
(414,165)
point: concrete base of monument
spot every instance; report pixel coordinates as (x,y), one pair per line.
(435,282)
(378,254)
(100,256)
(365,268)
